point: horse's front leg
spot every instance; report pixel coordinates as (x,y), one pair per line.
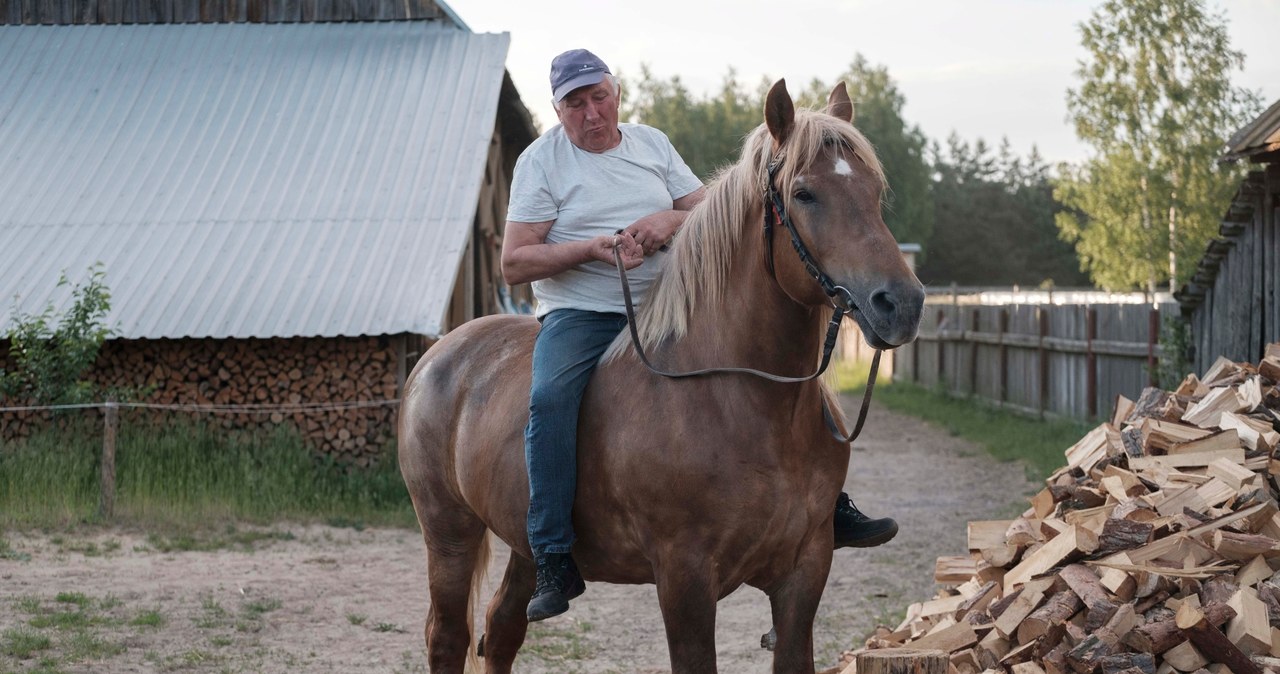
(794,601)
(687,596)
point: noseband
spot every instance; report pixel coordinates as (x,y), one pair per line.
(841,303)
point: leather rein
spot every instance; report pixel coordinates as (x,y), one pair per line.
(841,303)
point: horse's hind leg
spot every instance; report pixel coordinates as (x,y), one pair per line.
(505,624)
(457,557)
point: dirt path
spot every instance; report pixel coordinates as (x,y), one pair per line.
(338,600)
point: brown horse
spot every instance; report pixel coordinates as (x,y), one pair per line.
(698,485)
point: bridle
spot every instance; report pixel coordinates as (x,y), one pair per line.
(841,303)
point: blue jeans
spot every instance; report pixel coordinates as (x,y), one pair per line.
(566,352)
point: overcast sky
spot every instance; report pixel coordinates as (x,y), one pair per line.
(982,68)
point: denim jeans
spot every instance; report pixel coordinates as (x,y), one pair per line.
(566,352)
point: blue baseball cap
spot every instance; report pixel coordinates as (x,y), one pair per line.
(574,69)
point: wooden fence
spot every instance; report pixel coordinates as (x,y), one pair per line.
(1064,360)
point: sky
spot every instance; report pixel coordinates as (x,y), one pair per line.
(981,68)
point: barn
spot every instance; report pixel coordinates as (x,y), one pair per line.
(289,200)
(1232,302)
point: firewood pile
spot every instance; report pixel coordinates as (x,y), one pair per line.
(250,372)
(1155,549)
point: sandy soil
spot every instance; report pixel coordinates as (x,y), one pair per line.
(341,600)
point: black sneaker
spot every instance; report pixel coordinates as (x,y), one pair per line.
(558,582)
(855,530)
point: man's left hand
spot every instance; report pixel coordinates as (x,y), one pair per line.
(654,231)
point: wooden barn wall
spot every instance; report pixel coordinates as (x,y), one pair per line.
(264,372)
(479,287)
(211,11)
(1067,360)
(1239,313)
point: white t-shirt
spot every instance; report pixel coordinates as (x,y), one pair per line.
(588,194)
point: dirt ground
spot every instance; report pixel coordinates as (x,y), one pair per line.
(325,599)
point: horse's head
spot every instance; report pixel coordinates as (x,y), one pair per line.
(829,184)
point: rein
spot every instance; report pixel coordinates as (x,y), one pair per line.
(841,303)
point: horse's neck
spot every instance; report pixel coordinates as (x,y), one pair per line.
(754,324)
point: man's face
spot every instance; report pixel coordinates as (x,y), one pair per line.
(590,117)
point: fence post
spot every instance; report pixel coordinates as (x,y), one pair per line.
(942,346)
(1043,352)
(1153,337)
(107,502)
(973,351)
(1091,361)
(1004,356)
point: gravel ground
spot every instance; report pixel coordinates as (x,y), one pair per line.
(324,599)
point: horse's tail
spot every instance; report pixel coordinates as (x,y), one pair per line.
(478,575)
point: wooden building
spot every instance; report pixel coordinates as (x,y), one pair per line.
(289,198)
(1233,300)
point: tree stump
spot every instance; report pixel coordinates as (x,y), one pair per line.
(902,661)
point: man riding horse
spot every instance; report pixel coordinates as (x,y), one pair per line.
(584,188)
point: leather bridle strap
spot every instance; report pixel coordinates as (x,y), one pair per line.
(828,346)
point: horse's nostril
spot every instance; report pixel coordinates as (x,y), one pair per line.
(884,304)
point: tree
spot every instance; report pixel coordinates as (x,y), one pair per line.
(708,131)
(50,354)
(1156,103)
(995,220)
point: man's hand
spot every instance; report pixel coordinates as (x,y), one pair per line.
(632,254)
(654,231)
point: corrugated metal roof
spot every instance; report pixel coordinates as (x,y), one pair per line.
(244,180)
(1259,136)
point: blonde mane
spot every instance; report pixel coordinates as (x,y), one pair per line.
(697,268)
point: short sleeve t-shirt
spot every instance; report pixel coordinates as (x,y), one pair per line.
(588,194)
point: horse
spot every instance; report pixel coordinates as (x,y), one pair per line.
(697,485)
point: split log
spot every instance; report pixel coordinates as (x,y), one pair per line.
(1158,637)
(902,661)
(1211,642)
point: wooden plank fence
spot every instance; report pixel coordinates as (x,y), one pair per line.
(1056,360)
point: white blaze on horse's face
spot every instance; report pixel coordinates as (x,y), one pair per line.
(842,167)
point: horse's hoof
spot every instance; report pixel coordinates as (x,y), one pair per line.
(480,647)
(768,641)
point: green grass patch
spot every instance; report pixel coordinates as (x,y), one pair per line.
(562,643)
(150,618)
(1007,436)
(77,598)
(186,473)
(8,552)
(23,643)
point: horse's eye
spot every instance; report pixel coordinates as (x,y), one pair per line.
(804,196)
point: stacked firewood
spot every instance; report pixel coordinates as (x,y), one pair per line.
(254,384)
(1155,549)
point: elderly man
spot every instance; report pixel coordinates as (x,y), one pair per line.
(574,187)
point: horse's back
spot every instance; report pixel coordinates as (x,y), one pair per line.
(463,416)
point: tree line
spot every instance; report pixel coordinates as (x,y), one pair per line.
(1154,102)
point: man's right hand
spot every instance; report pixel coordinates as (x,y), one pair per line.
(631,252)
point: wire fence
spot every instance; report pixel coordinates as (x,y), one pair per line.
(111,423)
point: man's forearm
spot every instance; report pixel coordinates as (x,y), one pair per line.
(543,260)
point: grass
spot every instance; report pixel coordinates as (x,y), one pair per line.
(186,473)
(1038,444)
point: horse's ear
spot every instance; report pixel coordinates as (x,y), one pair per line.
(838,103)
(779,112)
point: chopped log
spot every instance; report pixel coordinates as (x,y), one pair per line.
(1120,662)
(1088,588)
(1241,547)
(1088,653)
(1184,657)
(1212,643)
(1027,668)
(1013,615)
(1160,636)
(948,639)
(902,661)
(1210,409)
(1072,542)
(1056,611)
(1250,630)
(1118,534)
